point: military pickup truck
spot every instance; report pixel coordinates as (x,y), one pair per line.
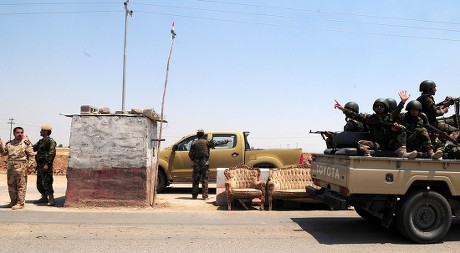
(418,196)
(175,165)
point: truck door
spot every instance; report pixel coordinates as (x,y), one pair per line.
(181,165)
(227,154)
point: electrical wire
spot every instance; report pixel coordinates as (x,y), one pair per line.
(330,12)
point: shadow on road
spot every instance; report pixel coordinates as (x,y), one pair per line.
(355,230)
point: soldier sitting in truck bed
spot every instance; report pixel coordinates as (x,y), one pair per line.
(383,134)
(418,138)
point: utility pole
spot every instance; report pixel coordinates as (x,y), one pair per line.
(173,36)
(130,13)
(11,122)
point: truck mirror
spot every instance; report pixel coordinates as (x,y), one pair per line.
(175,147)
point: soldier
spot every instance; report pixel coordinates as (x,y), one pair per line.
(353,125)
(419,138)
(199,154)
(46,151)
(384,135)
(431,109)
(20,158)
(391,104)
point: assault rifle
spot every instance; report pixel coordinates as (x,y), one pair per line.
(435,130)
(448,102)
(323,133)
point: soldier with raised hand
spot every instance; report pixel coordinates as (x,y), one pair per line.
(199,154)
(20,158)
(384,134)
(46,151)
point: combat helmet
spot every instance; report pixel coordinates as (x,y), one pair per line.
(426,85)
(352,106)
(391,104)
(382,101)
(414,105)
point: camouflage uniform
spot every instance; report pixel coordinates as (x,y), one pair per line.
(20,158)
(199,154)
(383,137)
(354,126)
(419,138)
(46,151)
(432,111)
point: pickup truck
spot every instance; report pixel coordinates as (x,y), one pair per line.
(175,165)
(417,196)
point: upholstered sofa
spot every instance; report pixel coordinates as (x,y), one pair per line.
(288,183)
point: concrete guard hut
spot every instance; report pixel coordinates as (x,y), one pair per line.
(112,158)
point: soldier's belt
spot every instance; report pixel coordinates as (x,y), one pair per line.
(17,161)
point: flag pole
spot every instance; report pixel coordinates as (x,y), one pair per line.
(173,36)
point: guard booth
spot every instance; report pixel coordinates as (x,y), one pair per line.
(112,158)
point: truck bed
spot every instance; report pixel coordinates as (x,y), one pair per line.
(381,175)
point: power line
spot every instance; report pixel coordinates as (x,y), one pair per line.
(297,17)
(55,12)
(297,27)
(330,12)
(55,3)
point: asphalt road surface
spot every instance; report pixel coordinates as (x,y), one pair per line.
(179,224)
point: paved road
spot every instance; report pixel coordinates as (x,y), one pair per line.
(180,224)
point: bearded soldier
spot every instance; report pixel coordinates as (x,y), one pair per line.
(46,151)
(20,157)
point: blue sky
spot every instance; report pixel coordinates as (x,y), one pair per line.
(273,68)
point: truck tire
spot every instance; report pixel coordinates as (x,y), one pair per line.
(161,181)
(424,216)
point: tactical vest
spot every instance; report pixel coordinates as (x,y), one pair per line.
(201,149)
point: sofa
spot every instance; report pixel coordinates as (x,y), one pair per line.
(288,183)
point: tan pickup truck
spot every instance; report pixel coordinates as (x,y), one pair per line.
(418,196)
(175,165)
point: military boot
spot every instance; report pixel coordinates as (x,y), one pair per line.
(402,152)
(365,151)
(43,199)
(11,204)
(17,207)
(51,200)
(434,155)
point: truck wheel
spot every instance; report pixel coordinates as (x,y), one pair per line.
(264,166)
(161,181)
(424,216)
(366,215)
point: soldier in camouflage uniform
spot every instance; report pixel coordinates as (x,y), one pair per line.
(46,151)
(433,110)
(353,125)
(419,138)
(199,154)
(20,157)
(384,134)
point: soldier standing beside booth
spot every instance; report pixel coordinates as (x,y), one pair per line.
(20,158)
(46,151)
